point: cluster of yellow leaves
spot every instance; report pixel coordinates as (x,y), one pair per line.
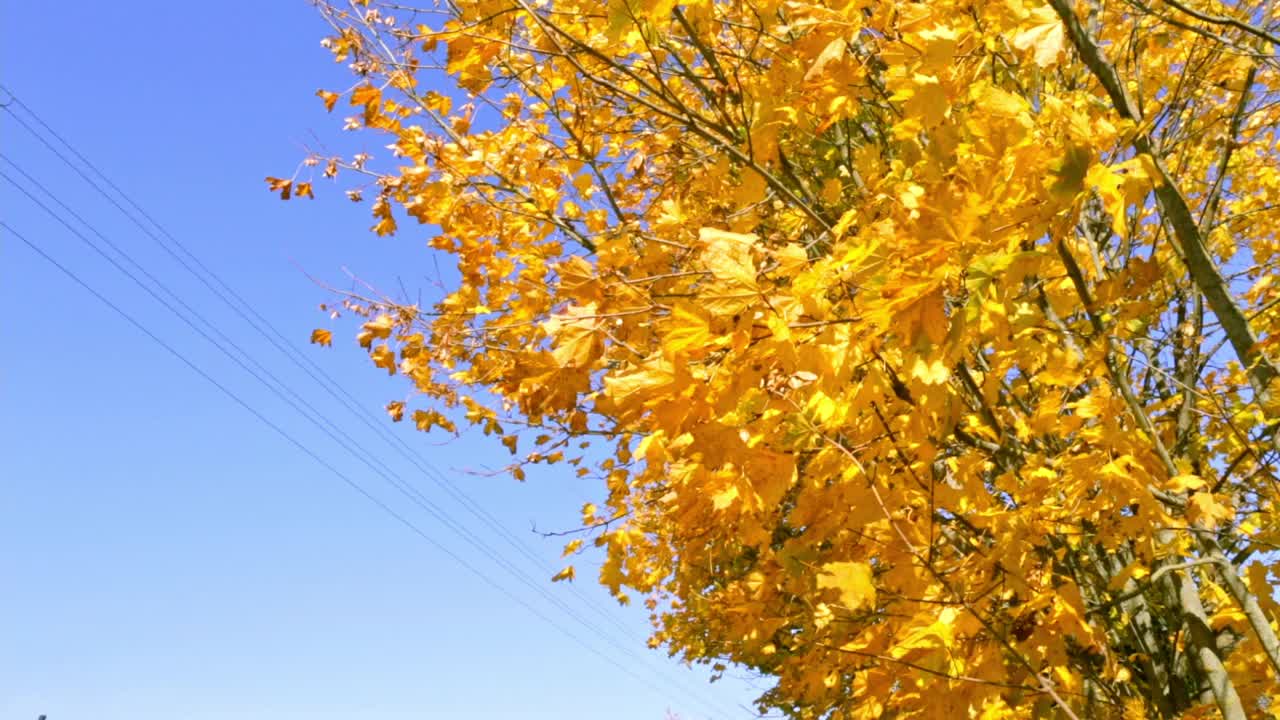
(864,315)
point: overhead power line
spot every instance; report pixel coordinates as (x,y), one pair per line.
(258,371)
(287,394)
(302,447)
(292,440)
(250,315)
(343,440)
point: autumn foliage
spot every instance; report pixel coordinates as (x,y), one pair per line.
(926,350)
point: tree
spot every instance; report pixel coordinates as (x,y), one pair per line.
(926,350)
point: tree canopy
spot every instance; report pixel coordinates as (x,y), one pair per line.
(926,350)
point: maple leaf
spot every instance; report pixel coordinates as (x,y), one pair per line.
(1183,483)
(728,256)
(575,335)
(1070,172)
(625,389)
(1204,508)
(939,634)
(1000,102)
(396,410)
(383,357)
(369,97)
(1045,36)
(930,372)
(833,50)
(280,185)
(329,98)
(687,331)
(572,547)
(853,580)
(725,498)
(320,336)
(377,329)
(425,420)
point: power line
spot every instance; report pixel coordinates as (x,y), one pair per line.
(344,441)
(451,488)
(413,527)
(361,453)
(277,339)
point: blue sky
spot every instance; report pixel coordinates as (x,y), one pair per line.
(164,554)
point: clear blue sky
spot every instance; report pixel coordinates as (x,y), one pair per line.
(163,554)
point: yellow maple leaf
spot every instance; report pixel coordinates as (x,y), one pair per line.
(853,580)
(846,220)
(728,256)
(1044,36)
(687,332)
(999,102)
(383,357)
(283,186)
(424,420)
(1204,508)
(1135,570)
(578,279)
(1109,185)
(572,547)
(1263,589)
(329,98)
(368,96)
(924,97)
(575,337)
(639,382)
(379,327)
(833,50)
(724,498)
(930,372)
(1183,483)
(395,409)
(320,336)
(941,633)
(791,259)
